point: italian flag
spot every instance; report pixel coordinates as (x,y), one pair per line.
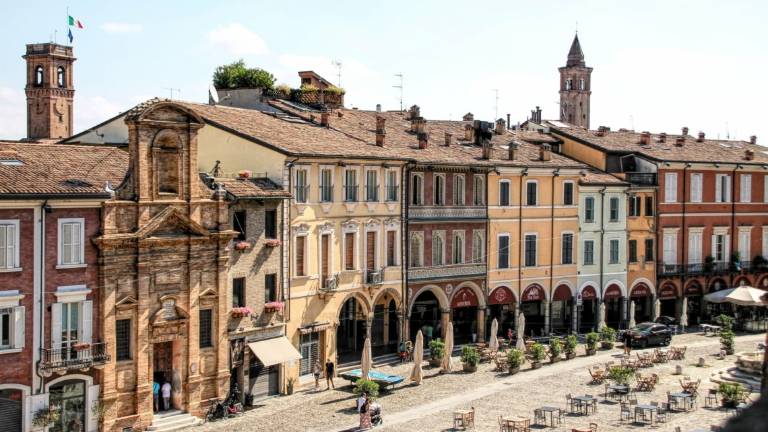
(75,22)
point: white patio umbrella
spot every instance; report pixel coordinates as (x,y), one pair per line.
(520,332)
(601,323)
(657,308)
(684,314)
(493,344)
(446,363)
(742,296)
(417,374)
(366,361)
(631,314)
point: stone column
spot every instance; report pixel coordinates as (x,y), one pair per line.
(624,310)
(575,318)
(368,325)
(144,347)
(547,314)
(405,330)
(445,318)
(480,325)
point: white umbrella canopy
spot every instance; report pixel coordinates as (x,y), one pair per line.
(493,344)
(742,296)
(601,323)
(417,374)
(657,308)
(520,332)
(446,363)
(631,314)
(366,361)
(684,313)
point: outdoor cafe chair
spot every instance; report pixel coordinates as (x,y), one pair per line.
(625,412)
(504,426)
(711,401)
(662,414)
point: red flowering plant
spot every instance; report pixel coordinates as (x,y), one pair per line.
(238,312)
(241,246)
(273,243)
(274,306)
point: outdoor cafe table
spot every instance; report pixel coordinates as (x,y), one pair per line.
(685,397)
(585,402)
(617,391)
(647,408)
(515,423)
(551,410)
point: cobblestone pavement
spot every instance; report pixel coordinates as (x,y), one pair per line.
(429,407)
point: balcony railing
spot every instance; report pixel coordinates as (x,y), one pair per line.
(715,268)
(73,357)
(448,271)
(374,277)
(644,179)
(447,213)
(302,193)
(350,193)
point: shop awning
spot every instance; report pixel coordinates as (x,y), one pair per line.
(274,351)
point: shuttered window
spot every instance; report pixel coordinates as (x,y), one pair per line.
(504,193)
(349,251)
(238,292)
(71,241)
(614,252)
(239,224)
(567,248)
(9,231)
(649,206)
(670,187)
(568,193)
(270,287)
(530,250)
(325,267)
(504,251)
(370,251)
(391,250)
(633,251)
(532,193)
(301,267)
(589,209)
(589,252)
(649,250)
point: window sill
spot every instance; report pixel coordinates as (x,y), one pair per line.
(11,270)
(70,266)
(10,350)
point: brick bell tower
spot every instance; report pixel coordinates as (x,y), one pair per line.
(49,90)
(575,87)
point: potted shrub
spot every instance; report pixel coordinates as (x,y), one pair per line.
(731,394)
(736,261)
(366,386)
(727,341)
(571,342)
(273,243)
(274,306)
(242,246)
(436,352)
(725,321)
(470,358)
(43,417)
(244,174)
(591,342)
(538,353)
(607,337)
(515,359)
(621,375)
(555,349)
(759,262)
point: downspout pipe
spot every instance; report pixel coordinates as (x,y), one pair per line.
(44,208)
(684,237)
(602,246)
(733,219)
(405,176)
(290,165)
(555,175)
(521,258)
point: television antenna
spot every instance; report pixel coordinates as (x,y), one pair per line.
(172,90)
(400,86)
(337,64)
(496,106)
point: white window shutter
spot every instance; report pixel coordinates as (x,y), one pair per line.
(18,327)
(86,321)
(714,246)
(77,244)
(56,325)
(718,189)
(4,263)
(10,244)
(727,255)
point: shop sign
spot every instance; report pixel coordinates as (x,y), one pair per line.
(501,296)
(588,293)
(464,298)
(613,292)
(641,290)
(533,293)
(667,292)
(693,290)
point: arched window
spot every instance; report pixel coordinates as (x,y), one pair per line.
(38,75)
(477,246)
(60,77)
(439,189)
(417,251)
(416,191)
(167,153)
(438,250)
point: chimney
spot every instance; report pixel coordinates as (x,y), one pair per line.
(601,130)
(701,137)
(749,154)
(509,121)
(645,138)
(663,137)
(753,139)
(685,130)
(448,138)
(469,133)
(423,140)
(679,141)
(419,125)
(378,108)
(513,146)
(380,130)
(325,119)
(414,112)
(486,149)
(500,126)
(538,115)
(545,152)
(468,117)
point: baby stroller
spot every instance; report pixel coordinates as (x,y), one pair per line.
(376,414)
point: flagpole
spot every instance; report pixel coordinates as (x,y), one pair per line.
(67,26)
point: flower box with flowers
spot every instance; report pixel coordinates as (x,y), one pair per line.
(240,312)
(273,243)
(241,246)
(275,306)
(244,174)
(81,346)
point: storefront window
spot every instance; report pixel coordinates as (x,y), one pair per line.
(68,398)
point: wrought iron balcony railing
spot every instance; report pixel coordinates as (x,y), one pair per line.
(76,356)
(643,179)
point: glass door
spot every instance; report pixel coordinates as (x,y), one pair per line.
(68,398)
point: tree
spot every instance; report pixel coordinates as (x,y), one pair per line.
(236,75)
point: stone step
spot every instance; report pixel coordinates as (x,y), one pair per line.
(172,421)
(726,376)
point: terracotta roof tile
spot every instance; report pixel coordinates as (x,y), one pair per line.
(252,188)
(595,177)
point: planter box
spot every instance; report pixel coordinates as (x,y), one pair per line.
(469,368)
(535,365)
(554,359)
(435,362)
(729,404)
(570,356)
(591,351)
(606,345)
(514,370)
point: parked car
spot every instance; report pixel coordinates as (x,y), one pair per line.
(666,320)
(649,333)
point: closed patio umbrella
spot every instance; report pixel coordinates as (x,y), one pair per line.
(631,314)
(742,296)
(684,314)
(601,323)
(520,332)
(493,344)
(446,363)
(657,308)
(366,361)
(418,356)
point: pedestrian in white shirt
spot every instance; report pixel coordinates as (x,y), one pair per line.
(166,391)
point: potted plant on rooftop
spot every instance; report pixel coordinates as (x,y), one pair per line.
(436,352)
(607,337)
(555,349)
(538,353)
(470,358)
(591,340)
(515,359)
(571,342)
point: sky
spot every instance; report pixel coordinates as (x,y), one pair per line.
(658,65)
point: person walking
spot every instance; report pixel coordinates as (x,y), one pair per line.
(365,415)
(166,390)
(627,339)
(317,369)
(329,371)
(361,400)
(156,395)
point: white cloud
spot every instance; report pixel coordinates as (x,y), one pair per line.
(237,40)
(119,27)
(13,114)
(92,110)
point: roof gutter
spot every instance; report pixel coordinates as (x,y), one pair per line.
(12,196)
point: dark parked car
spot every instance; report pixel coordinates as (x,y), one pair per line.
(649,333)
(666,320)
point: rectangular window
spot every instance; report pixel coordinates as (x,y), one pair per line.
(503,251)
(670,187)
(694,247)
(310,352)
(649,206)
(270,287)
(745,187)
(696,187)
(416,251)
(206,328)
(239,224)
(270,224)
(589,252)
(238,292)
(9,238)
(531,194)
(459,193)
(391,185)
(123,339)
(439,192)
(326,185)
(391,249)
(567,249)
(504,193)
(670,248)
(745,237)
(302,188)
(634,206)
(589,209)
(649,250)
(458,248)
(416,189)
(613,204)
(614,251)
(350,185)
(530,250)
(371,186)
(722,188)
(568,193)
(632,251)
(71,242)
(719,244)
(478,248)
(6,333)
(370,251)
(478,195)
(301,262)
(69,323)
(437,249)
(349,251)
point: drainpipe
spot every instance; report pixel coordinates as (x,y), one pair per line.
(520,239)
(684,238)
(555,175)
(44,208)
(602,246)
(733,217)
(405,175)
(487,251)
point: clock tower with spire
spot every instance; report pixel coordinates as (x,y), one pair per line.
(575,87)
(50,91)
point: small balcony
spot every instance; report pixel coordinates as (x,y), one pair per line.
(447,213)
(77,356)
(641,178)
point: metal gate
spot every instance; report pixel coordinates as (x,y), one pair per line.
(263,380)
(10,410)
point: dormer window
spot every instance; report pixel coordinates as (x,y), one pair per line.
(38,75)
(60,77)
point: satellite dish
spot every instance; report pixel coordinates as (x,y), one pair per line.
(213,95)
